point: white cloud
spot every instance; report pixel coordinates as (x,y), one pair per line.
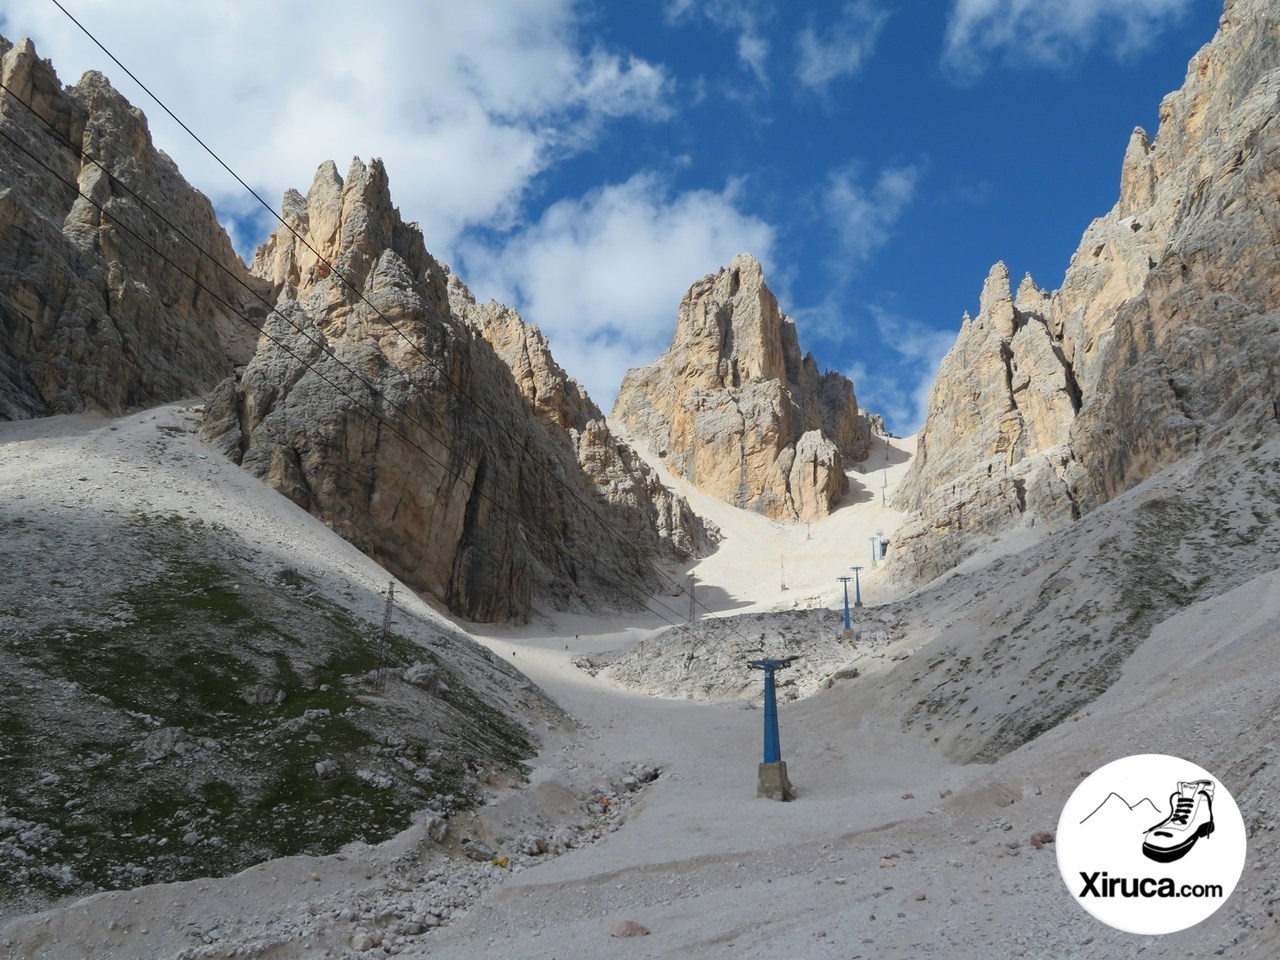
(603,275)
(745,18)
(753,50)
(465,102)
(863,217)
(617,89)
(841,46)
(899,391)
(1034,31)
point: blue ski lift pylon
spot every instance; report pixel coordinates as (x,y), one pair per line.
(772,777)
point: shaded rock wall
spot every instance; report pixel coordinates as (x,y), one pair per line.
(436,434)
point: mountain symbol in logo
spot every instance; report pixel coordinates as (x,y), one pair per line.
(1117,810)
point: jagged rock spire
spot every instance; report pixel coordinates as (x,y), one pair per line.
(735,408)
(95,317)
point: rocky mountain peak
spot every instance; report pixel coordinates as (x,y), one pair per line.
(345,224)
(92,316)
(435,433)
(1162,341)
(557,398)
(735,408)
(34,81)
(1137,175)
(1030,298)
(996,303)
(737,316)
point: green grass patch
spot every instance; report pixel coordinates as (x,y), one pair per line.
(263,675)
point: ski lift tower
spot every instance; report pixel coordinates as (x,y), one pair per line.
(848,625)
(772,778)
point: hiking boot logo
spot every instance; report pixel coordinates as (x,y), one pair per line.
(1190,818)
(1127,857)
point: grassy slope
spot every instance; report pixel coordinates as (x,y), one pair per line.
(264,676)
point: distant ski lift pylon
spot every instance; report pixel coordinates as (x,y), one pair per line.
(878,547)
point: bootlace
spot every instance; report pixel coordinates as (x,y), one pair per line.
(1183,810)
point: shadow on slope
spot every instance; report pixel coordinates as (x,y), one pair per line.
(1012,649)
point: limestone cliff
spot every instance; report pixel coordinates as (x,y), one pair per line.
(436,434)
(735,408)
(90,318)
(1163,340)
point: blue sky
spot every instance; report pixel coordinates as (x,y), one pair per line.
(586,161)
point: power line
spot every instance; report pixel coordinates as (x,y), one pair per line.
(324,347)
(117,222)
(120,224)
(459,388)
(320,343)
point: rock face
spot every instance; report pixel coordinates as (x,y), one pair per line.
(734,408)
(90,317)
(436,434)
(1164,339)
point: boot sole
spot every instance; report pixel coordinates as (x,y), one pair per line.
(1169,854)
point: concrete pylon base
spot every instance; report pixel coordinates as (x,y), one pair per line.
(773,783)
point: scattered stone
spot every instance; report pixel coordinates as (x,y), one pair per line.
(379,781)
(327,769)
(477,851)
(361,942)
(165,742)
(262,695)
(1038,840)
(423,675)
(628,928)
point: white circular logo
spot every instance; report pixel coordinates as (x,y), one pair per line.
(1150,844)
